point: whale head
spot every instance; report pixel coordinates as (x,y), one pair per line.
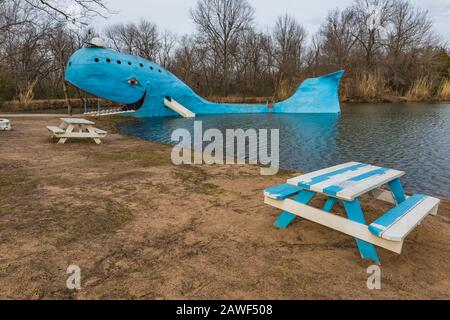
(112,75)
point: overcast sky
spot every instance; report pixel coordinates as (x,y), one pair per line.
(173,15)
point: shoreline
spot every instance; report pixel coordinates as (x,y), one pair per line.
(59,104)
(141,228)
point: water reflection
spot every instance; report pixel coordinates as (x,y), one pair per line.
(408,137)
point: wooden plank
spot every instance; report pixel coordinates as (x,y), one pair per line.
(55,129)
(335,222)
(343,180)
(282,192)
(295,181)
(366,185)
(404,225)
(76,121)
(100,132)
(81,135)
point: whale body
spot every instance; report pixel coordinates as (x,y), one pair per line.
(142,86)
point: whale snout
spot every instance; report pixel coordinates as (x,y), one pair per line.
(107,74)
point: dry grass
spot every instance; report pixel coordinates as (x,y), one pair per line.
(443,92)
(421,89)
(26,95)
(285,88)
(370,86)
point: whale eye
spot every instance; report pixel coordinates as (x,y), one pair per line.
(133,81)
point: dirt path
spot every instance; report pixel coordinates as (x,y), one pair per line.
(141,228)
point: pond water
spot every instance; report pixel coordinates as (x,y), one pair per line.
(414,138)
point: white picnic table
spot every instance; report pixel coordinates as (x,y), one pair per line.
(77,128)
(346,183)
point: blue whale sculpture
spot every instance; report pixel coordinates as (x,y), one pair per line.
(145,88)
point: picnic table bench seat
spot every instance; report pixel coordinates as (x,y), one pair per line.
(397,223)
(100,132)
(55,129)
(282,192)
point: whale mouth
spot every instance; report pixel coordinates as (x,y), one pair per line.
(135,106)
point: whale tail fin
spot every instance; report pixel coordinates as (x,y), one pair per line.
(317,95)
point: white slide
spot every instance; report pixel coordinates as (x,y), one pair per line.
(178,108)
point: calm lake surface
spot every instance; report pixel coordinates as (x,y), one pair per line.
(414,138)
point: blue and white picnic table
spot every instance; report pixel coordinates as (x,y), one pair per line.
(346,183)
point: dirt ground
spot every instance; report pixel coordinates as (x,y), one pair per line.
(142,228)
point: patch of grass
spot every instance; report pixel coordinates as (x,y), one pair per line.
(147,202)
(152,158)
(93,220)
(160,187)
(194,178)
(17,184)
(63,222)
(192,174)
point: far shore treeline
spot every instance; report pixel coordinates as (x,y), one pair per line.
(388,48)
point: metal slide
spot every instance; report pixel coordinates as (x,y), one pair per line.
(178,108)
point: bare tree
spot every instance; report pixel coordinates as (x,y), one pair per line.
(338,40)
(61,45)
(370,20)
(141,39)
(122,37)
(219,23)
(73,11)
(168,42)
(147,40)
(410,28)
(13,13)
(289,38)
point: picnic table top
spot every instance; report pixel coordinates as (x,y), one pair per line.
(77,121)
(346,181)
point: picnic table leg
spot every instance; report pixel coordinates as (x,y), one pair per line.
(397,190)
(91,130)
(69,129)
(285,219)
(355,213)
(330,204)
